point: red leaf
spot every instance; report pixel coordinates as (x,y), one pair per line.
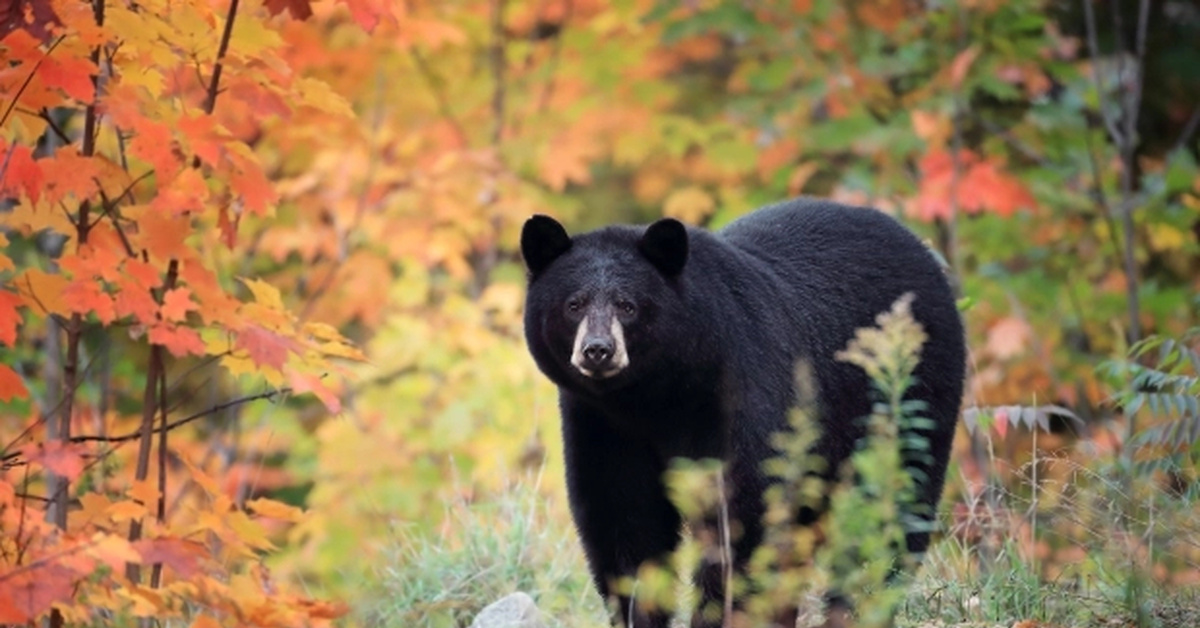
(40,18)
(24,173)
(73,75)
(63,459)
(180,555)
(981,186)
(9,317)
(30,593)
(366,12)
(299,9)
(177,303)
(265,348)
(180,341)
(11,386)
(303,382)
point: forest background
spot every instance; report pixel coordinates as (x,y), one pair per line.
(261,355)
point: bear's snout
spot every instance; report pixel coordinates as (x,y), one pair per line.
(599,349)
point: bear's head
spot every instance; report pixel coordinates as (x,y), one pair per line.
(601,306)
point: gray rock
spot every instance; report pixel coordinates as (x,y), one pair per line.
(515,610)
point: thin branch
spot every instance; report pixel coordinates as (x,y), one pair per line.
(271,394)
(1102,198)
(1094,50)
(555,57)
(161,507)
(210,102)
(21,90)
(44,114)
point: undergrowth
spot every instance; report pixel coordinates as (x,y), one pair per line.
(1084,539)
(484,551)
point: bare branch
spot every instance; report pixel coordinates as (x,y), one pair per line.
(1094,51)
(21,90)
(270,394)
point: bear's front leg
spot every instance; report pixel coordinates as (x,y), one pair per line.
(621,511)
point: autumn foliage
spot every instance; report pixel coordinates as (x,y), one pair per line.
(259,299)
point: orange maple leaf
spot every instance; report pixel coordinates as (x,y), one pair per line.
(179,340)
(981,185)
(200,132)
(163,235)
(11,385)
(9,317)
(135,301)
(68,173)
(249,182)
(177,303)
(84,295)
(143,274)
(186,192)
(154,144)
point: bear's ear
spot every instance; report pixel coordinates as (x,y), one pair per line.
(665,244)
(543,240)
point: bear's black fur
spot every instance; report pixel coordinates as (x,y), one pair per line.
(669,341)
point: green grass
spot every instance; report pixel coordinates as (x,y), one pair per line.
(485,551)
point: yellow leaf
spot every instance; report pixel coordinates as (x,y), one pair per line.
(201,478)
(248,531)
(144,491)
(690,204)
(146,602)
(319,95)
(94,508)
(323,331)
(252,37)
(127,510)
(113,550)
(339,350)
(275,510)
(264,293)
(43,292)
(1167,237)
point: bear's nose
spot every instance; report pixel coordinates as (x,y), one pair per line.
(597,352)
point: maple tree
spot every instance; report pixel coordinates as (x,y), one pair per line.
(210,210)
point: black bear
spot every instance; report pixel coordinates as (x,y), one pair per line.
(670,341)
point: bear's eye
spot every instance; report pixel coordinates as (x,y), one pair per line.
(574,305)
(626,307)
